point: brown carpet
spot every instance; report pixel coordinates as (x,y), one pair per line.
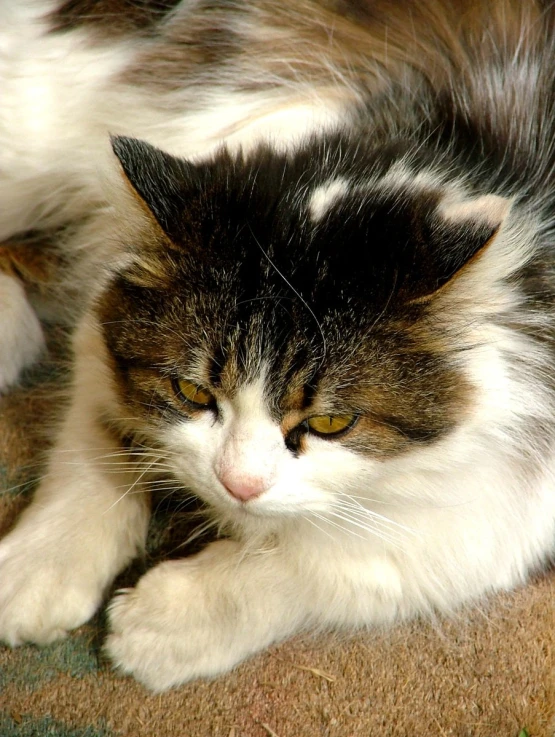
(488,673)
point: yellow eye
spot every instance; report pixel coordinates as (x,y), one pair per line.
(331,424)
(193,393)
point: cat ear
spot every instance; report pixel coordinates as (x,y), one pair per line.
(488,209)
(461,232)
(160,180)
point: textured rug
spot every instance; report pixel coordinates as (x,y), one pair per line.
(489,672)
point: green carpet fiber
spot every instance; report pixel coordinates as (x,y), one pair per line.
(28,727)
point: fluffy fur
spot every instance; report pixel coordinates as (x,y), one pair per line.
(344,210)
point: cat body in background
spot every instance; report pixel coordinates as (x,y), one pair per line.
(321,297)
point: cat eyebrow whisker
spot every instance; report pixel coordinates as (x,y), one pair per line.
(276,298)
(387,303)
(143,321)
(301,298)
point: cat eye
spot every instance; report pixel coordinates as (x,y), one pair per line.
(331,424)
(194,394)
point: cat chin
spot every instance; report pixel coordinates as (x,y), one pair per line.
(261,509)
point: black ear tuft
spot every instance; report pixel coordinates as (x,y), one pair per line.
(159,179)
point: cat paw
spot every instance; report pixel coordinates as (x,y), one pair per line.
(44,593)
(172,627)
(21,337)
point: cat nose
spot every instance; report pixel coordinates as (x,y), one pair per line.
(244,487)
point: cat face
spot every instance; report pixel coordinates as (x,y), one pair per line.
(276,335)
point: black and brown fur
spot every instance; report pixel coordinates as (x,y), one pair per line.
(339,310)
(237,276)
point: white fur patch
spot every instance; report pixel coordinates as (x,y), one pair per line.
(252,448)
(325,196)
(400,176)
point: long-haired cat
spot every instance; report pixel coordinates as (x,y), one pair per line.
(313,242)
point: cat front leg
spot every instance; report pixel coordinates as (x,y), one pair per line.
(21,337)
(199,617)
(83,526)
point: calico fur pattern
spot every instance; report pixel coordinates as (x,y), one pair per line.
(304,209)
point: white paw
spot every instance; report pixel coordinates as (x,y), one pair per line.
(173,626)
(44,591)
(21,338)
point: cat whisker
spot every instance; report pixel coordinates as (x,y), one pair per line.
(357,508)
(371,529)
(309,519)
(194,535)
(371,523)
(110,450)
(339,527)
(115,467)
(392,537)
(130,489)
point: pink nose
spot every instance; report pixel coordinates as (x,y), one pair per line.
(243,487)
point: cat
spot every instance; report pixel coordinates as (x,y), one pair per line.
(312,244)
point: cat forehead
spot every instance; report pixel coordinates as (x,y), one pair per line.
(292,246)
(321,174)
(400,181)
(275,196)
(249,247)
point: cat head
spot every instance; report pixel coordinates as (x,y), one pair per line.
(282,331)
